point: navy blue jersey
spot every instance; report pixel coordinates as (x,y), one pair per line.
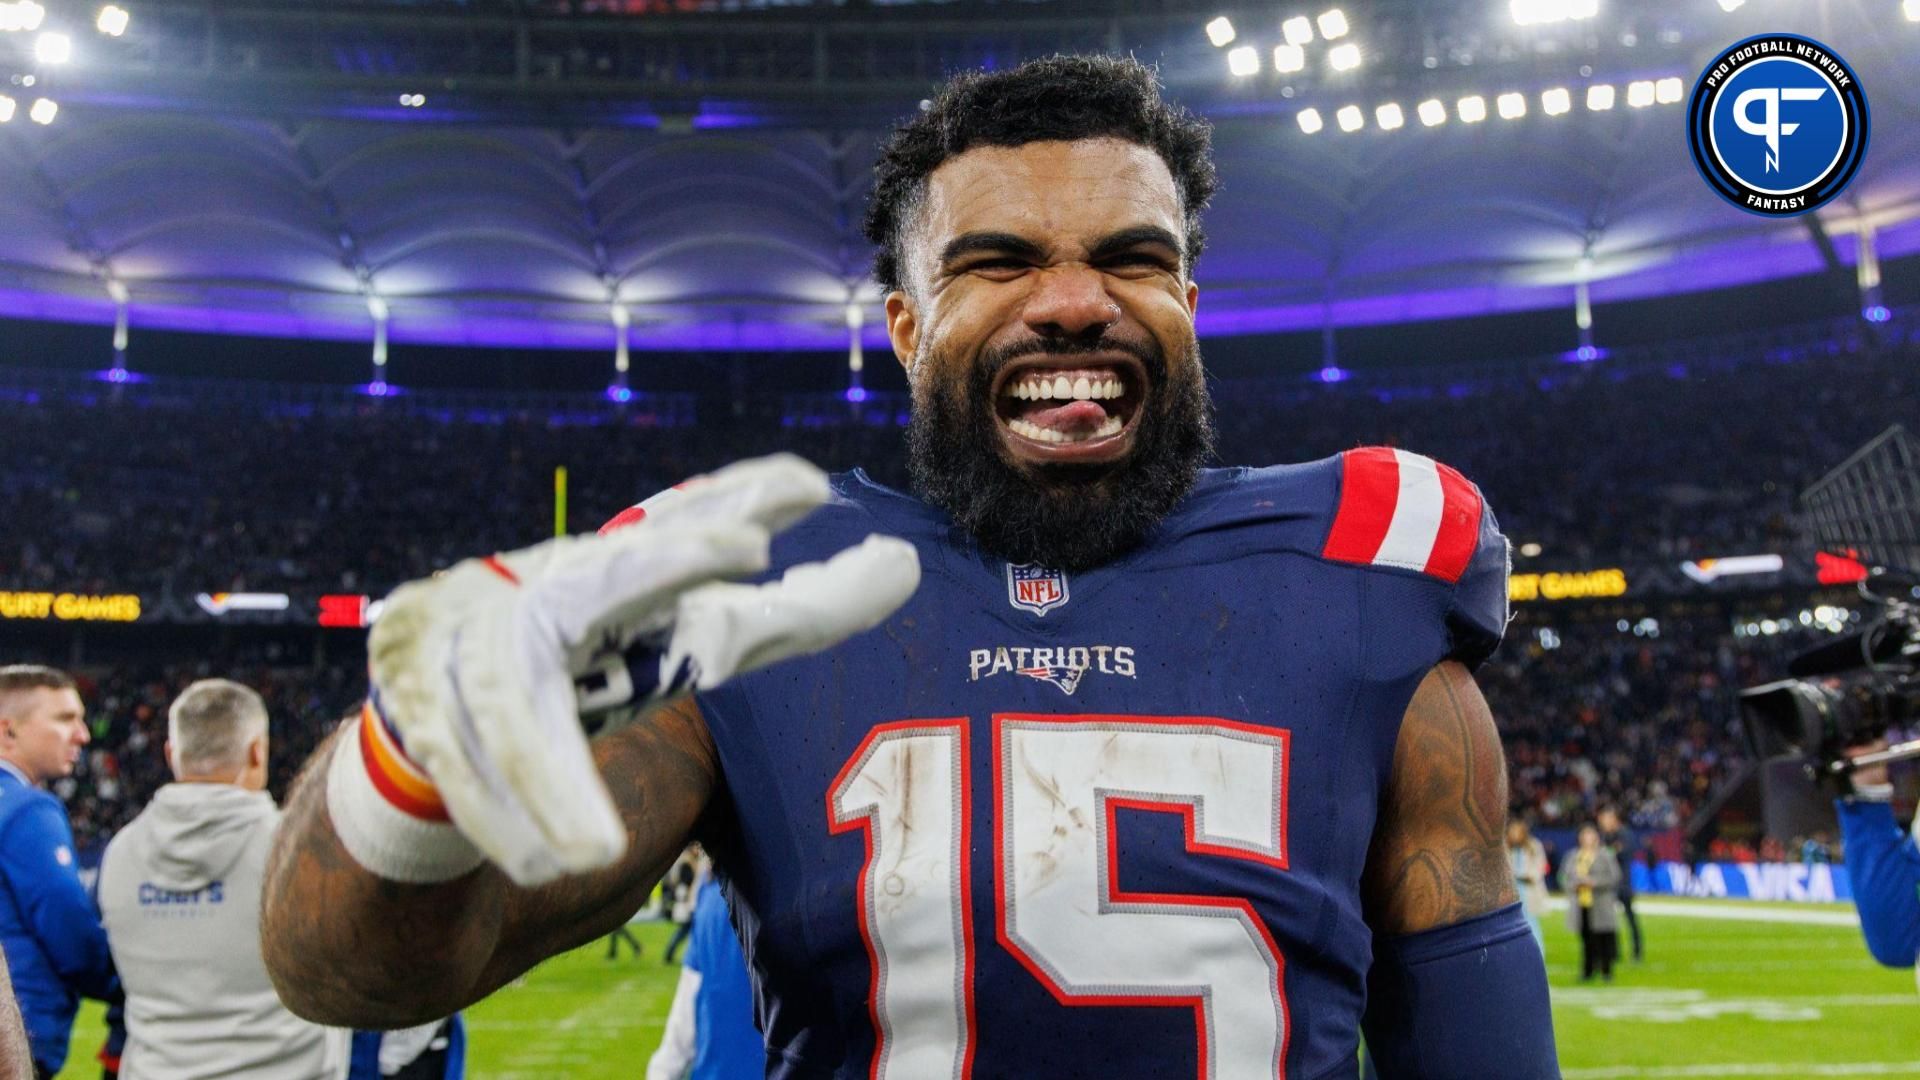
(1102,824)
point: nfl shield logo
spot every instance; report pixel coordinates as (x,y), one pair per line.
(1035,588)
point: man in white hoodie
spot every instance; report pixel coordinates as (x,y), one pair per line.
(179,892)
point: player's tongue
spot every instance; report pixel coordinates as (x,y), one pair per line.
(1070,417)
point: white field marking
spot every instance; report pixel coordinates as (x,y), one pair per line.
(1746,1068)
(565,1046)
(1577,997)
(1681,1006)
(610,1028)
(1735,911)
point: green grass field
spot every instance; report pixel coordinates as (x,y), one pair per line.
(1716,998)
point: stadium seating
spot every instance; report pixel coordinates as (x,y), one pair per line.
(136,492)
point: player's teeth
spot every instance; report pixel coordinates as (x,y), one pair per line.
(1082,389)
(1061,387)
(1022,391)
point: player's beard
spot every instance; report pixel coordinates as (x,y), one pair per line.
(1060,516)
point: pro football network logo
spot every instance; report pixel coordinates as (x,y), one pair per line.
(1778,125)
(1035,588)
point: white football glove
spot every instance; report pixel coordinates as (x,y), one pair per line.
(474,670)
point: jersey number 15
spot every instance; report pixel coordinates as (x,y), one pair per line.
(1059,908)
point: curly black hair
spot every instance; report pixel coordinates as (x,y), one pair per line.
(1061,98)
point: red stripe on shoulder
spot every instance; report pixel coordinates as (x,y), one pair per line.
(1369,491)
(632,515)
(493,563)
(1459,532)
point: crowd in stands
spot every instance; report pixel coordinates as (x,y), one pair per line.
(132,497)
(122,496)
(1642,717)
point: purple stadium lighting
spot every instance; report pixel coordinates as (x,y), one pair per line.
(1585,354)
(1333,374)
(856,394)
(1878,313)
(118,376)
(619,393)
(377,388)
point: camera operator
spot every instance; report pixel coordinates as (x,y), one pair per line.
(1883,864)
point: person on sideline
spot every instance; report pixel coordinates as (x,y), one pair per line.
(1590,877)
(1626,850)
(16,1060)
(49,928)
(1528,858)
(180,893)
(711,1034)
(683,884)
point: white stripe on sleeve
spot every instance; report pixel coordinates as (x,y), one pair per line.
(1416,517)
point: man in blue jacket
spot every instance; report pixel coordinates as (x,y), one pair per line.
(711,1032)
(48,925)
(1883,864)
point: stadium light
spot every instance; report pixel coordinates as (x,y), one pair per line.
(1389,117)
(1600,97)
(1333,24)
(1288,59)
(1432,112)
(1351,118)
(7,108)
(1556,101)
(1640,94)
(1311,121)
(1667,91)
(1344,57)
(1731,5)
(1244,61)
(1912,8)
(1512,106)
(22,15)
(1542,12)
(1297,30)
(113,20)
(1473,109)
(53,48)
(43,111)
(1220,31)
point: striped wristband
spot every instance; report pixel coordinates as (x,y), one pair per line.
(387,812)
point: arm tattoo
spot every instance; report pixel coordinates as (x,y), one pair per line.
(1438,853)
(348,948)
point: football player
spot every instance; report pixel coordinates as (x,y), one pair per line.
(1148,770)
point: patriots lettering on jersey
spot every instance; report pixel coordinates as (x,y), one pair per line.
(1404,510)
(1062,666)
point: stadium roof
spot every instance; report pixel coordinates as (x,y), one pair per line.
(302,199)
